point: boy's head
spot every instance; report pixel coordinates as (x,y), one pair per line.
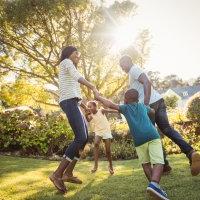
(131,96)
(92,105)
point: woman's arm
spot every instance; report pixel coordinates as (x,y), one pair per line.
(88,84)
(78,77)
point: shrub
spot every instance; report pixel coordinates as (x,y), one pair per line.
(32,134)
(193,108)
(171,101)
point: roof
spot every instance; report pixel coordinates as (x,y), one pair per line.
(185,92)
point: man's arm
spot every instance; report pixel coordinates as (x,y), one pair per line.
(147,87)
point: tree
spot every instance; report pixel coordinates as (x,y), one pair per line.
(171,81)
(21,92)
(155,79)
(197,81)
(32,33)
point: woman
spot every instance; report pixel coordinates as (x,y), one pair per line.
(70,96)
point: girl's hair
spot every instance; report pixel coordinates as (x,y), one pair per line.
(66,52)
(94,103)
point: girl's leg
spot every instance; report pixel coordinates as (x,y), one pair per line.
(97,141)
(107,143)
(147,170)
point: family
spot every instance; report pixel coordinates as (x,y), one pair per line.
(143,108)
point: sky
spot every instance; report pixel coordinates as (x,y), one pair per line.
(175,29)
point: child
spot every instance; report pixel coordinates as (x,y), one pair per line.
(102,131)
(146,138)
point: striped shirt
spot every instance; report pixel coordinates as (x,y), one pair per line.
(69,86)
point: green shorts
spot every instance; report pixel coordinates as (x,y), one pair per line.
(151,152)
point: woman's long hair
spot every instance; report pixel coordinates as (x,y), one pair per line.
(66,52)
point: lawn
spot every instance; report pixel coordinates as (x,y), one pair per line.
(25,178)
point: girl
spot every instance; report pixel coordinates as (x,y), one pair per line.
(102,131)
(70,96)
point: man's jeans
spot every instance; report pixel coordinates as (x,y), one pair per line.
(78,125)
(162,122)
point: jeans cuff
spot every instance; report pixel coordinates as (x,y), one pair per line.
(76,158)
(67,158)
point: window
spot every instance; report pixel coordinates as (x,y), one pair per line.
(185,93)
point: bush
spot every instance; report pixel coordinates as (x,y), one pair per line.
(31,134)
(189,129)
(193,108)
(122,147)
(171,101)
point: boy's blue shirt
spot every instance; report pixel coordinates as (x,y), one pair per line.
(139,122)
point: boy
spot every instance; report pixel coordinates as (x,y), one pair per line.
(146,138)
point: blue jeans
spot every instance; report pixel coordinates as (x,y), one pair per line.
(162,122)
(78,125)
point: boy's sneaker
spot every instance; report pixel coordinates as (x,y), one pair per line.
(156,192)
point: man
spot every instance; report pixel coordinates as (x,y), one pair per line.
(139,80)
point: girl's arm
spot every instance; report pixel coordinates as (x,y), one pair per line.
(88,116)
(84,106)
(105,111)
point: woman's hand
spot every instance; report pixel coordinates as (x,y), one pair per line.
(96,93)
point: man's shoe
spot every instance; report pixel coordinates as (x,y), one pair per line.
(195,163)
(156,192)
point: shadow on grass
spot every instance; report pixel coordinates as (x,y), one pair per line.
(125,184)
(9,164)
(121,186)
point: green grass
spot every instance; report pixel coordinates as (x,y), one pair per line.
(25,178)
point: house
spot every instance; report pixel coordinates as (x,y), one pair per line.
(183,94)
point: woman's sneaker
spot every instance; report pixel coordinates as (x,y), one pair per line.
(155,191)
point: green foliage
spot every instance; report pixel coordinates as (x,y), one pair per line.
(21,92)
(33,33)
(171,101)
(190,131)
(122,147)
(32,134)
(193,109)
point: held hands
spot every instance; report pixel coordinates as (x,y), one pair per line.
(96,93)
